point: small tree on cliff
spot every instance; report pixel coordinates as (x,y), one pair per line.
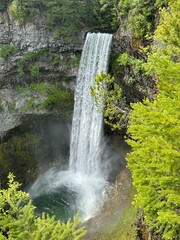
(108,98)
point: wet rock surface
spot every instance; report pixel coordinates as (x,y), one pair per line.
(106,222)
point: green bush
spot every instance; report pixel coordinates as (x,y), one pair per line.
(18,11)
(154,133)
(6,50)
(58,98)
(27,62)
(34,71)
(139,15)
(127,60)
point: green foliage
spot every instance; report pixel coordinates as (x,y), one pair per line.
(154,162)
(26,63)
(154,128)
(17,151)
(58,98)
(110,11)
(18,221)
(23,11)
(1,106)
(3,5)
(166,53)
(138,16)
(6,50)
(62,17)
(66,17)
(91,15)
(34,71)
(125,60)
(39,87)
(141,17)
(163,3)
(29,63)
(127,67)
(18,11)
(107,97)
(124,6)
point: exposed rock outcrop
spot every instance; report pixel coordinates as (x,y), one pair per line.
(135,86)
(34,35)
(13,107)
(31,37)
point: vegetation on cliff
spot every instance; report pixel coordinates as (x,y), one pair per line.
(154,131)
(62,17)
(55,98)
(65,17)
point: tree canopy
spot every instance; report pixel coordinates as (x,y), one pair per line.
(155,132)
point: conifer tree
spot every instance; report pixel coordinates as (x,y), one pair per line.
(18,220)
(155,133)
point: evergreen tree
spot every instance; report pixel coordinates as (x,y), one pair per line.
(18,221)
(155,133)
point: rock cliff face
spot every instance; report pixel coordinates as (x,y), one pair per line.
(32,37)
(12,104)
(135,85)
(59,64)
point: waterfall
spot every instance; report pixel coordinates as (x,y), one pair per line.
(87,120)
(86,176)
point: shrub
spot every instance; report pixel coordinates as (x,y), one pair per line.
(34,71)
(6,50)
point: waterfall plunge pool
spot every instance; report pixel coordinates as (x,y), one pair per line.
(64,193)
(61,203)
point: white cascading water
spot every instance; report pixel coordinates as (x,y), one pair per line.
(86,175)
(87,124)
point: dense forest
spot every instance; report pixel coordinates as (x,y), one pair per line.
(151,126)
